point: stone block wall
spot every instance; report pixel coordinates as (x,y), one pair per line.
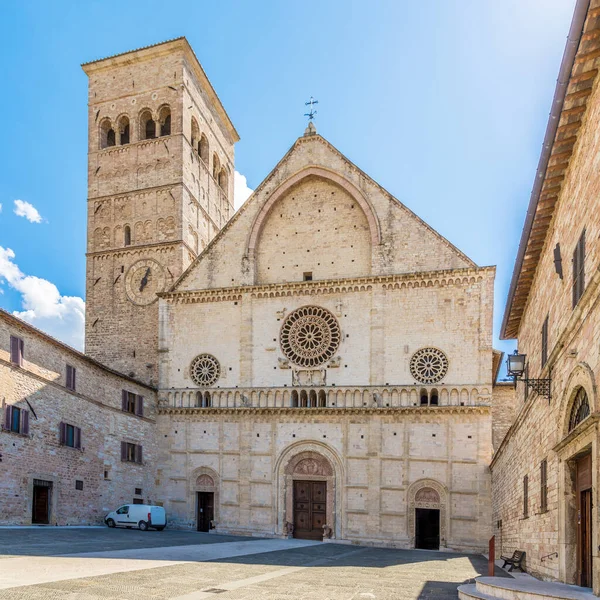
(379,459)
(39,386)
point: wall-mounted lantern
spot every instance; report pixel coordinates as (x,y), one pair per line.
(517,367)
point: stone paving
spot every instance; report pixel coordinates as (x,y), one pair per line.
(180,566)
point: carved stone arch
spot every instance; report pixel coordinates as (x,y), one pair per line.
(313,461)
(294,180)
(581,376)
(204,479)
(428,493)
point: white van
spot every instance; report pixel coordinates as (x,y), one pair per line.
(142,516)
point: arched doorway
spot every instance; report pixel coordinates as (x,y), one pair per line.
(206,498)
(308,492)
(576,453)
(427,514)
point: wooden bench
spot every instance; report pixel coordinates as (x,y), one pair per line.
(514,561)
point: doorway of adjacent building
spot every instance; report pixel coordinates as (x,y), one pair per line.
(205,510)
(584,521)
(41,502)
(310,502)
(427,533)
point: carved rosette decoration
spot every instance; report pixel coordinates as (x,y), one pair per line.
(205,481)
(205,370)
(428,365)
(310,336)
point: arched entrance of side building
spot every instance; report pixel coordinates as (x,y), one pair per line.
(206,498)
(577,479)
(427,514)
(308,492)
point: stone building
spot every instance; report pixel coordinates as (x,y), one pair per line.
(546,473)
(322,359)
(76,439)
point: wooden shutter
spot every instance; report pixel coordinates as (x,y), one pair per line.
(544,485)
(8,417)
(124,400)
(525,496)
(139,406)
(77,436)
(62,435)
(123,450)
(138,454)
(545,342)
(581,265)
(21,351)
(15,350)
(24,422)
(71,377)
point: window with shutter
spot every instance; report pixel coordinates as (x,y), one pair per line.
(129,402)
(579,269)
(62,433)
(77,438)
(525,497)
(138,454)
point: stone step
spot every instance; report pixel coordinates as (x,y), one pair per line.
(469,592)
(503,588)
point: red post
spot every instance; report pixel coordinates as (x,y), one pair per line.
(492,556)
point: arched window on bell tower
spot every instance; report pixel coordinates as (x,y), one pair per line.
(164,118)
(127,236)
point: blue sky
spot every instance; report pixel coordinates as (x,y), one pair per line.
(443,102)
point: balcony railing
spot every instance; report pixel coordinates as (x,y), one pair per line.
(397,396)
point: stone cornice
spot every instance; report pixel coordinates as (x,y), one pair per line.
(333,286)
(414,411)
(138,249)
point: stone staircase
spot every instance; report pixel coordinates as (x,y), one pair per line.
(503,588)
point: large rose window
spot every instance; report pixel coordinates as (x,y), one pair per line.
(310,336)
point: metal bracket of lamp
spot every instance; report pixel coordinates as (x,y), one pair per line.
(516,368)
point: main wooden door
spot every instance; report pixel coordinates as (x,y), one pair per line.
(205,510)
(584,521)
(41,504)
(310,502)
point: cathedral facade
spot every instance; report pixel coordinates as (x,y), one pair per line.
(318,364)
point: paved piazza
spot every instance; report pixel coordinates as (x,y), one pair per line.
(74,564)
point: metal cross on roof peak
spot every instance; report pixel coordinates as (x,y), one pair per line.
(312,112)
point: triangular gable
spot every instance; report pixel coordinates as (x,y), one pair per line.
(227,261)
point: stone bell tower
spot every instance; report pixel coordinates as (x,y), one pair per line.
(160,186)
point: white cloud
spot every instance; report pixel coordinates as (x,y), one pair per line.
(27,210)
(0,208)
(241,191)
(62,317)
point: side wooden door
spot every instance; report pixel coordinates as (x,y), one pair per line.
(310,502)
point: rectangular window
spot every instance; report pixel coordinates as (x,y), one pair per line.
(131,452)
(525,497)
(138,491)
(132,403)
(78,484)
(70,435)
(545,342)
(15,425)
(71,372)
(579,269)
(544,485)
(16,350)
(138,501)
(307,276)
(16,420)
